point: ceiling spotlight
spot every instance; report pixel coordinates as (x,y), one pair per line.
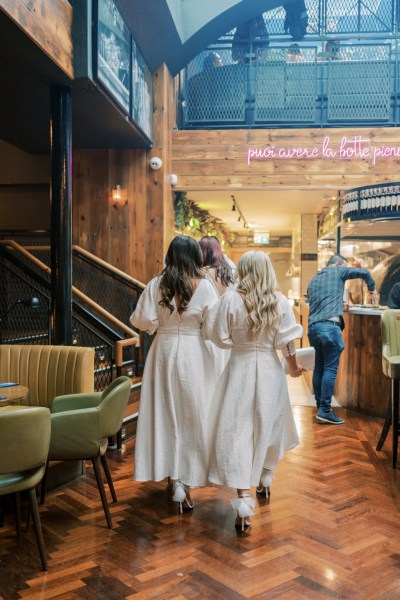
(233,204)
(239,219)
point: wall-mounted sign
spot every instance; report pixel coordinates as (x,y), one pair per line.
(356,147)
(261,237)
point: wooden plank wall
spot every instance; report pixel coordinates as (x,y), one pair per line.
(160,213)
(48,24)
(117,234)
(218,159)
(133,236)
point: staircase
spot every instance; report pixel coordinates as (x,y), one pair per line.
(103,300)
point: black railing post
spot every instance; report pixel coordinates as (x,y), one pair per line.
(60,194)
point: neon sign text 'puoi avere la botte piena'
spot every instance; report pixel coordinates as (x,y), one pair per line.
(355,147)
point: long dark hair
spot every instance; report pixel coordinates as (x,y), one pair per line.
(213,257)
(183,262)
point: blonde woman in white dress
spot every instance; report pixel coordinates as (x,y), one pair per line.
(178,379)
(251,421)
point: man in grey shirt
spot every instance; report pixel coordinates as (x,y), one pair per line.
(325,324)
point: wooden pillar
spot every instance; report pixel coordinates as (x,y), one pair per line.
(160,210)
(309,250)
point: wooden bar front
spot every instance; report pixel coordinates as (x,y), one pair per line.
(360,384)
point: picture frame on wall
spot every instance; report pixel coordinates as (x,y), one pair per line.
(113,52)
(142,93)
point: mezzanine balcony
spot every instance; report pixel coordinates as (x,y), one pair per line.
(362,86)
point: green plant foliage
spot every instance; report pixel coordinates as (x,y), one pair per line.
(192,220)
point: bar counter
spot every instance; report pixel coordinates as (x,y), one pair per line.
(360,384)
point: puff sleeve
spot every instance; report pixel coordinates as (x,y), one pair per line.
(216,326)
(288,330)
(145,317)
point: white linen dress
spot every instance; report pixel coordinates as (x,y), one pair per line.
(177,387)
(220,355)
(251,420)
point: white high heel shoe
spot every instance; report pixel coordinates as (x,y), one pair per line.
(181,495)
(243,507)
(264,489)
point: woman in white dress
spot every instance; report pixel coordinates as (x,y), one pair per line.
(251,421)
(215,263)
(219,272)
(178,379)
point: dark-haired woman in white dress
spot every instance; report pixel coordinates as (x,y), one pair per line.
(178,379)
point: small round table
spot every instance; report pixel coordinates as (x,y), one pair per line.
(13,394)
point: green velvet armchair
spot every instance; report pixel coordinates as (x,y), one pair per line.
(81,425)
(390,326)
(25,438)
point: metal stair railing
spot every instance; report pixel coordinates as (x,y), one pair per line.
(107,335)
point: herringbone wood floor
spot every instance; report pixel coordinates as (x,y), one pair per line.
(332,530)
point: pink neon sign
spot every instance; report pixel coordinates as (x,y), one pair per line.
(354,147)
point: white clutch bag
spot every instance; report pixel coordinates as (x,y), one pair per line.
(305,358)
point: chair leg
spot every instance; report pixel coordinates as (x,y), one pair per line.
(100,485)
(17,500)
(387,423)
(44,485)
(119,439)
(38,528)
(106,468)
(395,420)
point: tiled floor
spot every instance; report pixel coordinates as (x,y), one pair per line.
(299,393)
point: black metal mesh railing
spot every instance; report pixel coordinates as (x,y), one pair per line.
(274,20)
(201,104)
(343,71)
(23,321)
(117,295)
(359,16)
(352,83)
(113,292)
(89,336)
(286,91)
(360,89)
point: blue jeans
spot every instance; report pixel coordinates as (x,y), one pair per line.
(326,338)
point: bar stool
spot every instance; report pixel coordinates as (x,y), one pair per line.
(390,324)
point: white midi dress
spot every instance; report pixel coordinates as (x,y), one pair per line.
(220,355)
(177,387)
(251,420)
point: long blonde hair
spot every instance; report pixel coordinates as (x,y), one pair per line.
(258,287)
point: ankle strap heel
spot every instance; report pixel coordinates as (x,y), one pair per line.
(243,507)
(264,488)
(181,495)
